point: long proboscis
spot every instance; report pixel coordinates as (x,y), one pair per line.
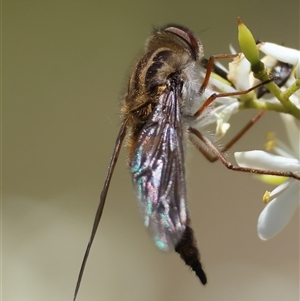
(99,212)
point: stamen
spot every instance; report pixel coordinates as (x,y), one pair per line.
(270,145)
(270,136)
(266,197)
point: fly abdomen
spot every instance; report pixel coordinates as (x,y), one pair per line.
(188,251)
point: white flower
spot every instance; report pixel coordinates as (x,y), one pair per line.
(284,199)
(240,78)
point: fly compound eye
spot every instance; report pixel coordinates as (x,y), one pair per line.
(188,37)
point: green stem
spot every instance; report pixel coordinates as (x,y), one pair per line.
(293,88)
(268,106)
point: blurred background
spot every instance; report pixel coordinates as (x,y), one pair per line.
(65,66)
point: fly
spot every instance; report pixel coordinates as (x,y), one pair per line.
(166,97)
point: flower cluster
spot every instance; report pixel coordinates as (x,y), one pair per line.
(280,70)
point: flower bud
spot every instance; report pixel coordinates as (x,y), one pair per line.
(247,44)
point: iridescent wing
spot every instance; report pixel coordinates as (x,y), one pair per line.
(158,172)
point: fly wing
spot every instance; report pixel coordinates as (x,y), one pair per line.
(158,173)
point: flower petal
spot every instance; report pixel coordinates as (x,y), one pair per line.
(221,86)
(281,149)
(222,116)
(279,211)
(281,53)
(239,71)
(263,160)
(230,105)
(293,133)
(269,61)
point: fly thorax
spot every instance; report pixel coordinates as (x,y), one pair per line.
(193,75)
